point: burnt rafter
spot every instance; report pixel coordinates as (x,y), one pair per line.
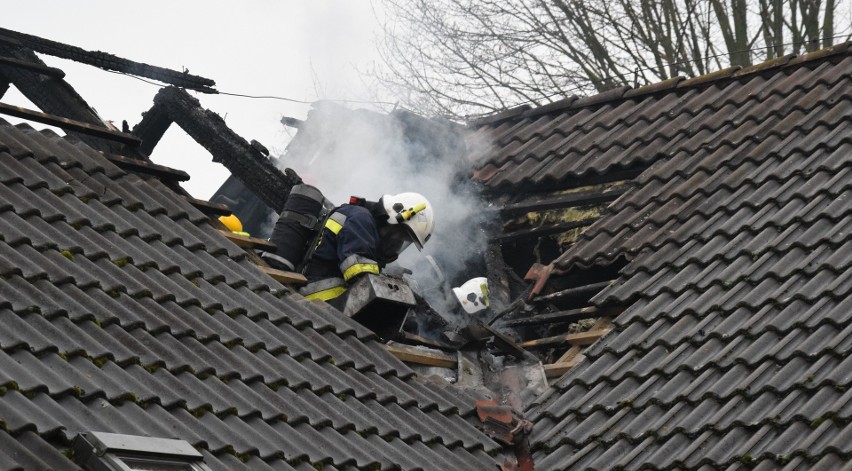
(582,198)
(50,94)
(246,162)
(41,69)
(155,122)
(148,168)
(561,317)
(69,124)
(544,231)
(107,61)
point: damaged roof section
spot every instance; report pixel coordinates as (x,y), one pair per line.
(125,311)
(733,270)
(332,131)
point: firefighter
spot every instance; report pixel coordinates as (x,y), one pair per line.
(362,237)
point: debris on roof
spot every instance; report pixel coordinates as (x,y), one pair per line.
(668,266)
(126,311)
(720,273)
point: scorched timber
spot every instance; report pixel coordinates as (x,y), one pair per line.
(573,315)
(110,62)
(584,198)
(251,167)
(69,124)
(39,68)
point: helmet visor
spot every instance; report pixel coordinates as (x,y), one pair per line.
(394,239)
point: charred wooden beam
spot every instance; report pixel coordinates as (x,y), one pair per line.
(628,173)
(246,163)
(497,273)
(544,231)
(155,122)
(587,290)
(69,124)
(580,198)
(208,208)
(572,315)
(481,330)
(146,167)
(50,94)
(38,68)
(110,62)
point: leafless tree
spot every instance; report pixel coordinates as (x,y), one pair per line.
(460,58)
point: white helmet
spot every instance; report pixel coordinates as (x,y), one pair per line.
(473,294)
(414,212)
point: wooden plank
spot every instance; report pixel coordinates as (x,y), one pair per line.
(69,124)
(208,208)
(556,370)
(602,323)
(580,338)
(497,272)
(589,290)
(420,340)
(150,168)
(285,277)
(570,354)
(572,315)
(506,343)
(422,356)
(248,242)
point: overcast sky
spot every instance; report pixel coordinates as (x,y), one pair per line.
(300,49)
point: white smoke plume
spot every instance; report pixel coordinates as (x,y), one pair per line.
(362,153)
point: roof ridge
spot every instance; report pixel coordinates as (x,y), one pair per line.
(675,83)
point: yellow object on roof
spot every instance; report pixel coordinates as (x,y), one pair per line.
(232,222)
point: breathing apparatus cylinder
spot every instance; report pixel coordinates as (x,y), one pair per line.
(297,225)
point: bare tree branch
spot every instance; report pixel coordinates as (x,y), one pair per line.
(465,57)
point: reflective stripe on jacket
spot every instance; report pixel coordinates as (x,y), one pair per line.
(347,248)
(325,289)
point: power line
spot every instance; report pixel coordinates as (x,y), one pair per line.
(262,97)
(561,92)
(272,97)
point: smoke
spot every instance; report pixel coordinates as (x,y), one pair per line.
(362,153)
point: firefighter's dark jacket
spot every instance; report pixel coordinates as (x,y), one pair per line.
(348,247)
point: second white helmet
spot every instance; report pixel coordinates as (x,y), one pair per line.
(473,294)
